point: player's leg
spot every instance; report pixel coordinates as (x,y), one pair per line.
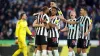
(50,51)
(55,50)
(35,47)
(79,46)
(55,46)
(44,51)
(49,47)
(79,51)
(44,45)
(35,50)
(24,47)
(84,52)
(17,52)
(25,51)
(71,45)
(38,51)
(85,46)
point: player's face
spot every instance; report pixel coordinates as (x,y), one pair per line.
(24,16)
(52,4)
(82,11)
(47,10)
(72,14)
(53,11)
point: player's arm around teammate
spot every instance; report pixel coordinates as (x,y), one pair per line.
(41,32)
(53,33)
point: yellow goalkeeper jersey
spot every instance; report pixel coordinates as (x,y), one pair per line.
(21,29)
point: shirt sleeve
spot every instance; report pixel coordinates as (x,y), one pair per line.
(78,19)
(89,20)
(60,12)
(17,29)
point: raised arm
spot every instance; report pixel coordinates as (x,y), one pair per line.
(67,21)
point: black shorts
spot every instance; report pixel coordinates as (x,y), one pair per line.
(40,40)
(83,43)
(53,42)
(71,43)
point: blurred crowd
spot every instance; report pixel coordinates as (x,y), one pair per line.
(11,9)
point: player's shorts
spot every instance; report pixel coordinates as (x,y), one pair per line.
(53,42)
(71,43)
(41,40)
(83,43)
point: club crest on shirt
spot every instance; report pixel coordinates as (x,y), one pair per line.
(56,21)
(81,25)
(71,27)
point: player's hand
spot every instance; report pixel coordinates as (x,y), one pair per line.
(61,30)
(42,25)
(86,33)
(61,17)
(32,36)
(44,21)
(35,14)
(16,41)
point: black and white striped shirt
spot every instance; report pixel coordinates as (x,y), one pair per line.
(84,23)
(42,30)
(73,30)
(53,32)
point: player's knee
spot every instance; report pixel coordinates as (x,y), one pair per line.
(70,49)
(49,48)
(78,51)
(26,54)
(55,48)
(24,46)
(83,50)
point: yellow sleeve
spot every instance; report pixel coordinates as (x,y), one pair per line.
(17,29)
(28,31)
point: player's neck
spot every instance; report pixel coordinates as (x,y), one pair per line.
(85,14)
(53,16)
(23,19)
(44,13)
(72,17)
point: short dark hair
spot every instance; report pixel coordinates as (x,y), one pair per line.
(55,8)
(53,1)
(21,15)
(44,8)
(83,7)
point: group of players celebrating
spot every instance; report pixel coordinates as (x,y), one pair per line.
(47,26)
